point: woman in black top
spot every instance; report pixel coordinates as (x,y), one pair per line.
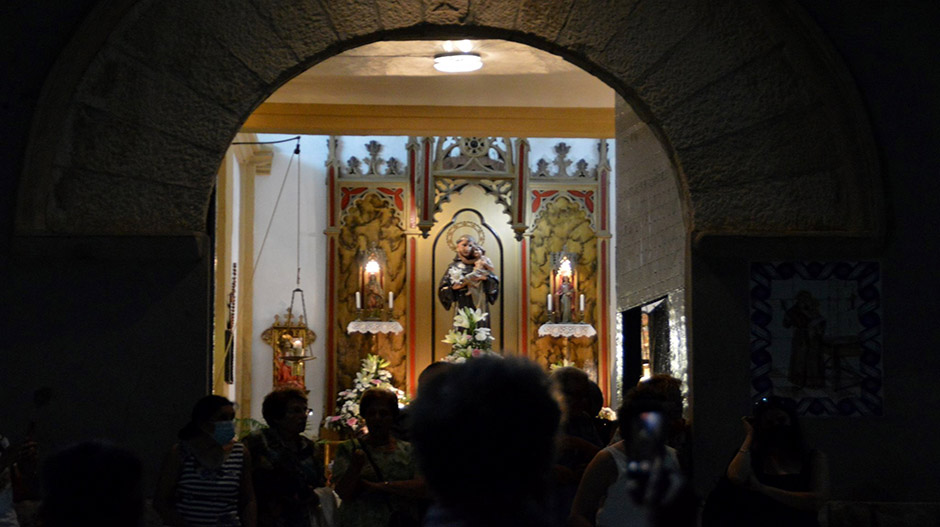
(774,478)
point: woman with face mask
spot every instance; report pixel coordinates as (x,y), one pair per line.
(206,477)
(774,478)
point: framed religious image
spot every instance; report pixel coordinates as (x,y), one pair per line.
(816,335)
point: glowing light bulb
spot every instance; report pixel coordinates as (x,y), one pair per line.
(457,62)
(372,267)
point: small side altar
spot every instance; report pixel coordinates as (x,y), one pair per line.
(374,326)
(567,330)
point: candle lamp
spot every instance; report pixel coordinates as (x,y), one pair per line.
(373,301)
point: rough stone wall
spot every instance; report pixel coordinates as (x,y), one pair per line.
(651,231)
(762,125)
(758,118)
(115,332)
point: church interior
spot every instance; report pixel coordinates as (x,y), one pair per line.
(204,199)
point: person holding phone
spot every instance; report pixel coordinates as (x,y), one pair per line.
(774,479)
(633,481)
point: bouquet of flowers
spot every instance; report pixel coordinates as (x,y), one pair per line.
(563,363)
(467,338)
(372,375)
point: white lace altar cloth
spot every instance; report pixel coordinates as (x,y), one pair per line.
(567,330)
(374,326)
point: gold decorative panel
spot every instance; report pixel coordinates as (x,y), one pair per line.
(369,219)
(562,226)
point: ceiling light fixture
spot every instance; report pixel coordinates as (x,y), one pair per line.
(457,62)
(458,57)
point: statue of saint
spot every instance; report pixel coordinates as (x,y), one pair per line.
(375,297)
(469,280)
(807,347)
(566,299)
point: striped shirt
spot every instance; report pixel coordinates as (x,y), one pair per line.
(210,496)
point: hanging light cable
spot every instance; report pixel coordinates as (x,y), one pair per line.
(280,191)
(297,252)
(292,338)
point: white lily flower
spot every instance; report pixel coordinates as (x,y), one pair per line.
(461,319)
(450,338)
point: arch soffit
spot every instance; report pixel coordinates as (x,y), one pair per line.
(760,120)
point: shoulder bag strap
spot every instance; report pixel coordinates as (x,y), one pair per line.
(375,467)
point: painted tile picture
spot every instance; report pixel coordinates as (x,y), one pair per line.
(816,336)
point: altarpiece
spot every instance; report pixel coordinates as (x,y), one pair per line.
(521,209)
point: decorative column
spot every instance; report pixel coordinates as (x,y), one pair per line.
(412,233)
(520,191)
(520,215)
(425,185)
(333,167)
(253,160)
(603,246)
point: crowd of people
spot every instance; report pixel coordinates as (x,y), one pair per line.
(491,442)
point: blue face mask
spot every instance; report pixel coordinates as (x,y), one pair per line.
(223,431)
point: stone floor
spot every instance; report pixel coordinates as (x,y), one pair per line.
(835,514)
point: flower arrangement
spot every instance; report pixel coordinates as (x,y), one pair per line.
(564,363)
(372,375)
(467,338)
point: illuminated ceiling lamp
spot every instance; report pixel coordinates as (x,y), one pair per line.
(457,58)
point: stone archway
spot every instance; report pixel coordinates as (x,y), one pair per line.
(761,124)
(759,129)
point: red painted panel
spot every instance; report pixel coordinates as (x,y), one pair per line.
(538,196)
(604,200)
(330,322)
(604,373)
(412,329)
(520,210)
(349,193)
(426,206)
(332,179)
(413,213)
(525,298)
(395,193)
(587,196)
